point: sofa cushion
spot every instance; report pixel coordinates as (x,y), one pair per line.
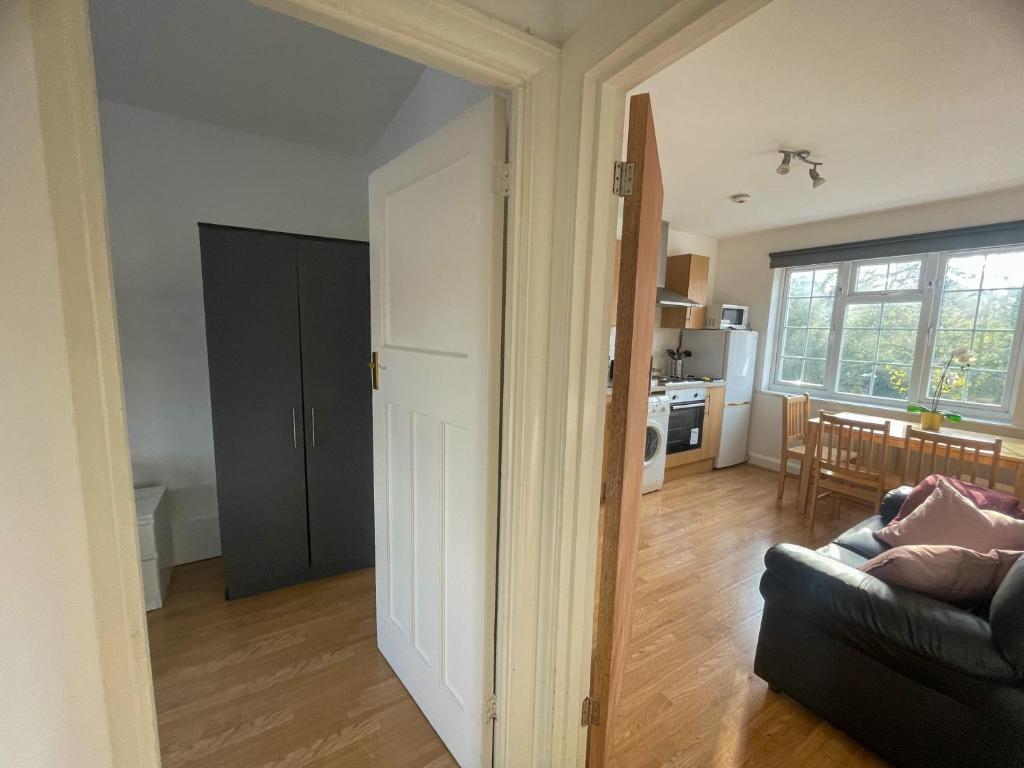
(984,498)
(861,538)
(892,502)
(843,555)
(949,517)
(951,574)
(1007,616)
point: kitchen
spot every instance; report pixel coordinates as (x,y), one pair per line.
(702,372)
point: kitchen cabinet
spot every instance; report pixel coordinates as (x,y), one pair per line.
(713,422)
(288,337)
(686,273)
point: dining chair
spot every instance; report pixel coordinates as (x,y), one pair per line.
(850,460)
(796,410)
(927,453)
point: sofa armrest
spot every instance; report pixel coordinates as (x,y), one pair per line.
(892,501)
(857,607)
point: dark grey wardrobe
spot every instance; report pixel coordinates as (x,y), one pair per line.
(288,340)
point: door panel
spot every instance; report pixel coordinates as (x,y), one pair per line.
(252,337)
(334,310)
(638,274)
(435,250)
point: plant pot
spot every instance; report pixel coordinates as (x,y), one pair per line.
(931,420)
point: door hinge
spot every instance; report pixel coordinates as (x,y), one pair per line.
(622,181)
(491,709)
(506,179)
(591,714)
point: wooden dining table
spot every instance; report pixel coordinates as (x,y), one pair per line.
(1011,457)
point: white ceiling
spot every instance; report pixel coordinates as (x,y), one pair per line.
(231,63)
(905,102)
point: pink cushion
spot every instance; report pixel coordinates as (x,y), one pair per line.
(949,517)
(951,574)
(984,498)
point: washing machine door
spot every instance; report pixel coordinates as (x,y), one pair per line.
(653,444)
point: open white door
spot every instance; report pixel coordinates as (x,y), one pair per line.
(436,229)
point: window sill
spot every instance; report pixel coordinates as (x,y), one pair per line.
(998,427)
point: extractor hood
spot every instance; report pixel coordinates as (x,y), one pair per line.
(666,297)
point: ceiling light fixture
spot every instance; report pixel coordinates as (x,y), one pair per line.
(803,155)
(740,198)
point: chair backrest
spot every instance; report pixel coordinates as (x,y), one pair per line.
(854,451)
(926,453)
(796,410)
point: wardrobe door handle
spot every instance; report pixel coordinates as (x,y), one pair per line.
(312,418)
(295,434)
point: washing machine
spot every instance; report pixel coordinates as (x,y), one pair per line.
(654,445)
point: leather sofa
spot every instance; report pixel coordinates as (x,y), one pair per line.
(918,681)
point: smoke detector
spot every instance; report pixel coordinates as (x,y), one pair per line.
(740,198)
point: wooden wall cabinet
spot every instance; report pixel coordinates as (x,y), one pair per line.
(686,273)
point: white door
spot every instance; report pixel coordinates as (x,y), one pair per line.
(436,228)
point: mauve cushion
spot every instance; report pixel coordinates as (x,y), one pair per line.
(983,498)
(951,574)
(948,517)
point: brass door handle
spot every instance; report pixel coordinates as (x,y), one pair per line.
(374,367)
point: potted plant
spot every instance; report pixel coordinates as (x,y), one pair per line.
(931,418)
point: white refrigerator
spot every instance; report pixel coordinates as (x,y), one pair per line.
(728,355)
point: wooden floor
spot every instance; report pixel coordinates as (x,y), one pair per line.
(689,695)
(293,677)
(281,680)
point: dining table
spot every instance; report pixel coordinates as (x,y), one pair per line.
(1011,457)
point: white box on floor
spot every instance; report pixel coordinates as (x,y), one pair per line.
(156,557)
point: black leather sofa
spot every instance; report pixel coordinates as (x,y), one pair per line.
(919,682)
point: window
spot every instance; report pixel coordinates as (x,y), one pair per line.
(882,330)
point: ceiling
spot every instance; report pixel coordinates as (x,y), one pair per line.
(905,102)
(234,64)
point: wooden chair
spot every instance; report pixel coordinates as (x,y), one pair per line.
(851,460)
(926,453)
(796,410)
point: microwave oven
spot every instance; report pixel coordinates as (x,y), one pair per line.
(728,317)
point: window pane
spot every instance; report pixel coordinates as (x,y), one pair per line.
(814,372)
(796,340)
(958,309)
(862,316)
(871,277)
(903,315)
(892,381)
(904,276)
(859,345)
(998,309)
(946,342)
(855,378)
(896,346)
(792,368)
(800,283)
(821,313)
(986,387)
(817,342)
(992,349)
(825,282)
(797,312)
(1004,270)
(964,272)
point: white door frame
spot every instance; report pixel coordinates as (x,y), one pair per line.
(566,128)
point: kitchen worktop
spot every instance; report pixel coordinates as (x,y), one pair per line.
(661,389)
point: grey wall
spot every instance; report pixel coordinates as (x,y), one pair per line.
(163,175)
(436,99)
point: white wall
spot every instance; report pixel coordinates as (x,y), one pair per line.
(743,275)
(163,175)
(51,708)
(436,99)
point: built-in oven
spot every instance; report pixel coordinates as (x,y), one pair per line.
(685,419)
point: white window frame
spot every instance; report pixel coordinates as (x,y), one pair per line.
(929,293)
